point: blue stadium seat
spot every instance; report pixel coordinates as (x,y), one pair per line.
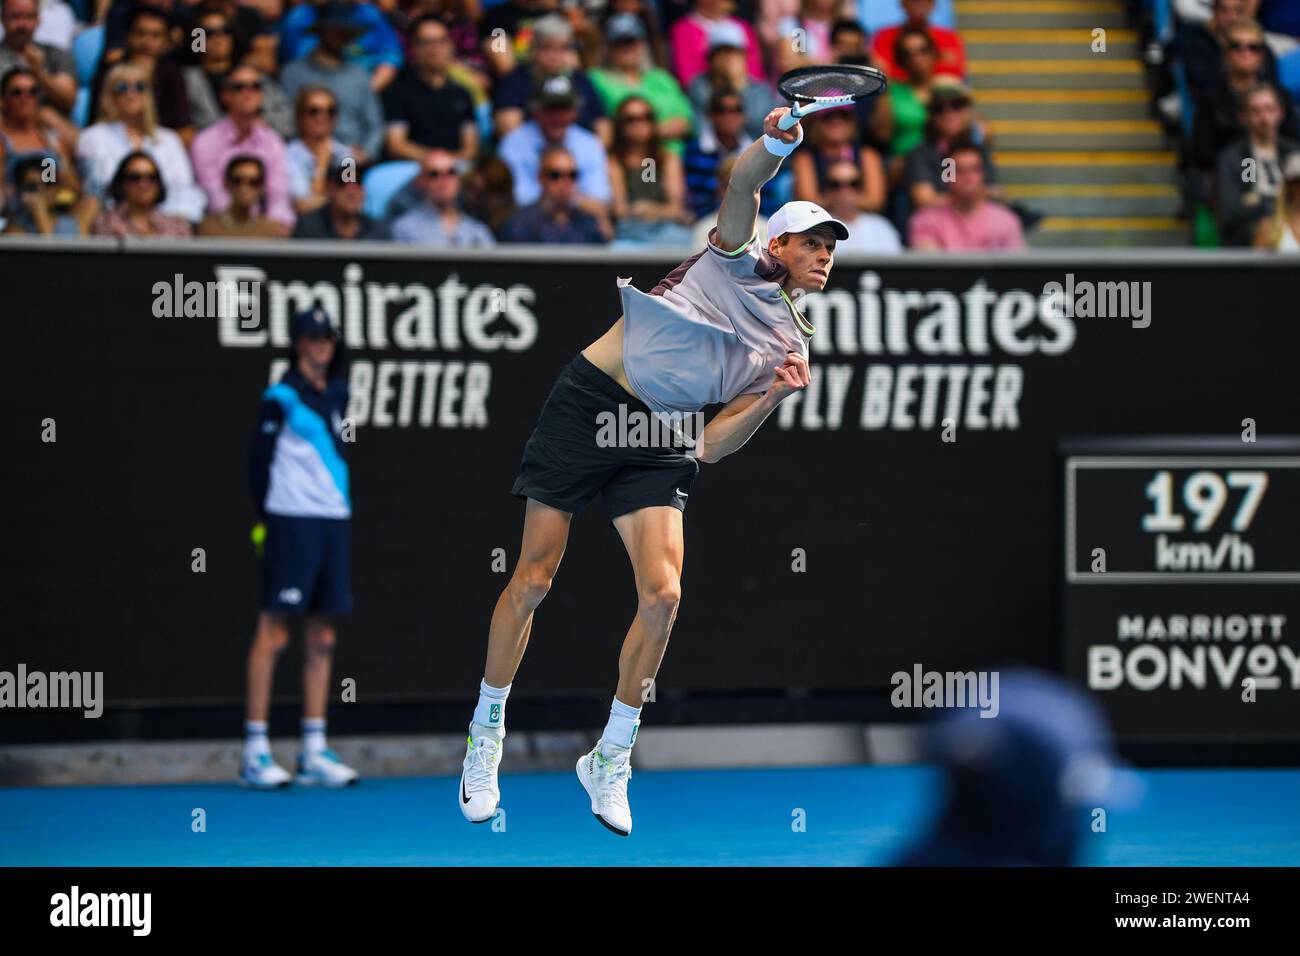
(87,47)
(81,107)
(1288,73)
(382,182)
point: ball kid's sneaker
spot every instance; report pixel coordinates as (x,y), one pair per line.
(261,772)
(325,769)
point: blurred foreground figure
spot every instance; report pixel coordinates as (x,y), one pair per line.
(1021,785)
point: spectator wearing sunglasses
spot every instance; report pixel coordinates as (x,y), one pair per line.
(128,122)
(950,54)
(439,220)
(869,232)
(722,137)
(245,217)
(147,46)
(900,115)
(951,119)
(556,218)
(21,134)
(242,132)
(728,71)
(53,68)
(1203,48)
(649,187)
(37,209)
(425,108)
(341,217)
(137,193)
(311,154)
(361,118)
(833,137)
(555,123)
(1218,120)
(223,48)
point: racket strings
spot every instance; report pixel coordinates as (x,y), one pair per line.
(829,84)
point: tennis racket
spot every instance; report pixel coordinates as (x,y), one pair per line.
(815,88)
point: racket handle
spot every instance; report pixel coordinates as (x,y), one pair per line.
(789,119)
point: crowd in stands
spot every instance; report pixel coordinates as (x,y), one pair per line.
(1236,68)
(469,123)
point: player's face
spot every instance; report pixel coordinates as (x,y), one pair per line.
(809,258)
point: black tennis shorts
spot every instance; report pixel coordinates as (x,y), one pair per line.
(570,457)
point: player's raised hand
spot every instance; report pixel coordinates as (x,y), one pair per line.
(771,129)
(791,377)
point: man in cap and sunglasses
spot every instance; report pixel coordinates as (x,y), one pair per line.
(301,492)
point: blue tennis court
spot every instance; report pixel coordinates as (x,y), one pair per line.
(853,815)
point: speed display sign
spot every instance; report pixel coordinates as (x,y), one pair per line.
(1181,580)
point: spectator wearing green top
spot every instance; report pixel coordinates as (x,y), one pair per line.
(901,117)
(647,181)
(628,71)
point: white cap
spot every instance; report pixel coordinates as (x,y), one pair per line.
(800,216)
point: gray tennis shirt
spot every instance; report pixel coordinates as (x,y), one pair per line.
(715,327)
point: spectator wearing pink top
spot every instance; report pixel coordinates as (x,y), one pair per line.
(967,221)
(242,133)
(689,40)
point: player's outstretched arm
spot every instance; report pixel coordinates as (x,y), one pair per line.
(740,417)
(756,166)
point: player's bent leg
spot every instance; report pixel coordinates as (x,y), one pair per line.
(546,534)
(257,768)
(318,765)
(653,538)
(654,541)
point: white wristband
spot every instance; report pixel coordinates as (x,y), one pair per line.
(778,148)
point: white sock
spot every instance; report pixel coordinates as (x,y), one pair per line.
(255,742)
(623,722)
(491,709)
(313,735)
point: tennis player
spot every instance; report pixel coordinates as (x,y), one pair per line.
(300,488)
(721,328)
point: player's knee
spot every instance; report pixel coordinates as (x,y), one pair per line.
(659,597)
(530,584)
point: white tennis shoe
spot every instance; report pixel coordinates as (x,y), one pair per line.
(604,774)
(324,769)
(261,772)
(479,793)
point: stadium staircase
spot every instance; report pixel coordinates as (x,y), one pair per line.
(1073,134)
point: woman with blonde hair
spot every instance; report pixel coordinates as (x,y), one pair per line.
(1281,231)
(128,123)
